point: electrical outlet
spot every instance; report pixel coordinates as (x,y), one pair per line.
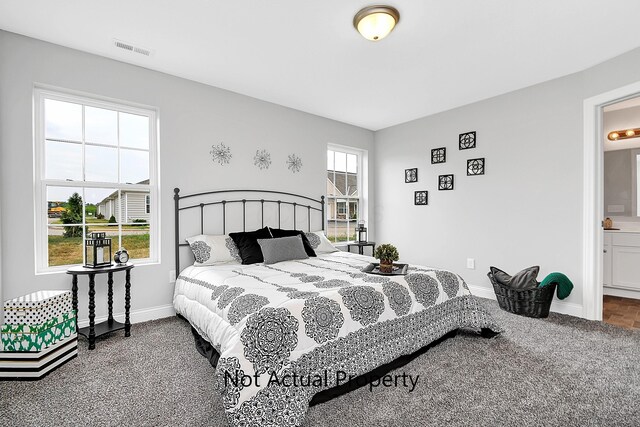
(471,263)
(172,276)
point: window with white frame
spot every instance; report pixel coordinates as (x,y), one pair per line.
(96,171)
(344,192)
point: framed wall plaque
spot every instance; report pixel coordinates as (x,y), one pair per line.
(467,140)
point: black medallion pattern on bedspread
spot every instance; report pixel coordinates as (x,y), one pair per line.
(269,337)
(310,278)
(371,278)
(424,287)
(230,390)
(244,305)
(228,296)
(201,251)
(218,291)
(398,296)
(302,294)
(333,283)
(322,319)
(365,303)
(449,282)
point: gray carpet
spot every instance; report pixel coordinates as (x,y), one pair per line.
(560,371)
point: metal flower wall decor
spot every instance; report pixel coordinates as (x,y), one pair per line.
(294,163)
(421,198)
(262,159)
(438,155)
(467,140)
(411,175)
(475,167)
(445,182)
(221,153)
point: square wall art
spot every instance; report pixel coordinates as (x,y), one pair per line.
(467,140)
(475,167)
(445,182)
(411,175)
(438,155)
(421,198)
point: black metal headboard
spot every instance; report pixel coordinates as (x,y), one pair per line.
(293,200)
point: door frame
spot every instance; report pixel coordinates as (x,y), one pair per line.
(593,196)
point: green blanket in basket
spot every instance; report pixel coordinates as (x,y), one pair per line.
(564,284)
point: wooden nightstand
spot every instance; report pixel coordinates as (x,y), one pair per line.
(361,246)
(93,331)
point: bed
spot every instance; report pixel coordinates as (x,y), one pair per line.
(285,332)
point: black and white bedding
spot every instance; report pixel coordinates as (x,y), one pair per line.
(289,330)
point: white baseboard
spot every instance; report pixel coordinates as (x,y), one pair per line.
(482,292)
(556,306)
(136,316)
(624,293)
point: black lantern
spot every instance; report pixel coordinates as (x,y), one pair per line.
(362,232)
(97,251)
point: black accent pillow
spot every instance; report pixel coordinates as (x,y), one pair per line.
(522,280)
(279,232)
(247,243)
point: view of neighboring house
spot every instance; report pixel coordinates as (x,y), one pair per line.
(342,190)
(134,205)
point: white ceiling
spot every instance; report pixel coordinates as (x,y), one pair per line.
(307,55)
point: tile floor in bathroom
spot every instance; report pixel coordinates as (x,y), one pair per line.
(620,311)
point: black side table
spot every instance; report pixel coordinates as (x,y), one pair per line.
(92,331)
(361,246)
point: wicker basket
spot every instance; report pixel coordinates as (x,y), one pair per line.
(525,302)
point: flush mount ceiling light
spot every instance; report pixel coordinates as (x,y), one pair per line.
(376,22)
(617,135)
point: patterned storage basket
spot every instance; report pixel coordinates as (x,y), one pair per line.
(533,302)
(29,338)
(37,308)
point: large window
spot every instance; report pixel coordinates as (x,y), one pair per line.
(95,172)
(344,193)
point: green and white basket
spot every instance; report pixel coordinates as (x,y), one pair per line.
(29,338)
(37,308)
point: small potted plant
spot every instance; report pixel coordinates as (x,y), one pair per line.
(386,253)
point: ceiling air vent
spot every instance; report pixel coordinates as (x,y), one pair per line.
(132,47)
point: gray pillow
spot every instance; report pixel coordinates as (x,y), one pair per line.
(282,249)
(521,280)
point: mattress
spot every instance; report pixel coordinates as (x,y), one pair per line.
(289,330)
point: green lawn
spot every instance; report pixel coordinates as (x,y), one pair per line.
(341,238)
(68,250)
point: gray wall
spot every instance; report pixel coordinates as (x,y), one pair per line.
(527,209)
(192,118)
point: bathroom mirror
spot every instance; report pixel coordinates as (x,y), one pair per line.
(621,187)
(621,161)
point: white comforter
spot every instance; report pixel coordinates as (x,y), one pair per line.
(313,319)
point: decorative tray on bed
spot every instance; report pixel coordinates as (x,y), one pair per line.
(398,269)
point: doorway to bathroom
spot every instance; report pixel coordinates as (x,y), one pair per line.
(619,276)
(621,213)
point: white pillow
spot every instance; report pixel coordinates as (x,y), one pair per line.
(320,243)
(212,250)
